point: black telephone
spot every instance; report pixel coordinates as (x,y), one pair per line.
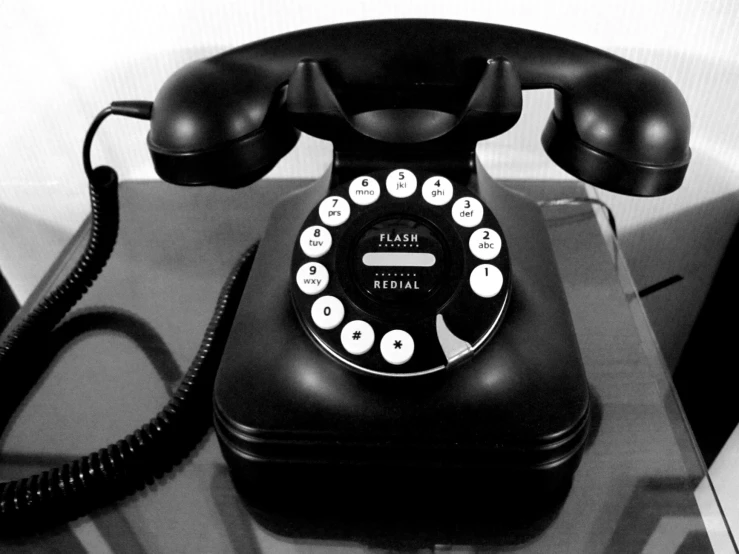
(404,326)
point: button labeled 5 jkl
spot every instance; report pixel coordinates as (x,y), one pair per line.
(401,183)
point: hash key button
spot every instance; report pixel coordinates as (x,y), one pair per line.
(357,337)
(396,347)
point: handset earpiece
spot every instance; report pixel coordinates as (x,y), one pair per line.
(206,129)
(622,129)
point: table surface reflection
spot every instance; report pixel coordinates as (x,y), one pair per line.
(641,486)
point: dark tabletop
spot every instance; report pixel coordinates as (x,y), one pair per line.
(641,486)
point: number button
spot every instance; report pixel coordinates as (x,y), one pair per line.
(486,280)
(327,312)
(357,337)
(485,244)
(312,278)
(401,183)
(437,191)
(315,241)
(396,347)
(467,212)
(334,211)
(364,190)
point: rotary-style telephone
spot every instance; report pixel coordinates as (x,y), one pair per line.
(404,327)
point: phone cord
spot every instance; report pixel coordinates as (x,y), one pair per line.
(112,473)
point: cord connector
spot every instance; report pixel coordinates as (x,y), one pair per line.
(138,109)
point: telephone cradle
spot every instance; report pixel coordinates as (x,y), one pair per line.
(404,330)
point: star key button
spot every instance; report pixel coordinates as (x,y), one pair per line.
(397,347)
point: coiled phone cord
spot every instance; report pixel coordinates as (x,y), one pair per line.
(112,473)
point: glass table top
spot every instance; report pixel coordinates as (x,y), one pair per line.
(641,485)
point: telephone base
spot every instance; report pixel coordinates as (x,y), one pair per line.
(442,507)
(516,414)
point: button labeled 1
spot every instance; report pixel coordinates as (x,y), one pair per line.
(486,280)
(396,347)
(334,211)
(401,183)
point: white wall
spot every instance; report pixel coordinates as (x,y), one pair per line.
(63,61)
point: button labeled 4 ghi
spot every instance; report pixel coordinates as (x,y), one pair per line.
(437,191)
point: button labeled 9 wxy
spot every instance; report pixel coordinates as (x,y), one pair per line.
(312,278)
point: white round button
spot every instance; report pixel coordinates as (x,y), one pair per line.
(312,278)
(334,211)
(396,347)
(401,183)
(364,190)
(486,280)
(327,312)
(315,241)
(467,212)
(437,191)
(485,244)
(357,337)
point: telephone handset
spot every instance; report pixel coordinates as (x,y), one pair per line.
(404,327)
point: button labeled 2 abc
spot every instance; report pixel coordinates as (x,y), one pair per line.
(485,244)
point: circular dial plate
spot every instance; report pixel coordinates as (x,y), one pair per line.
(407,284)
